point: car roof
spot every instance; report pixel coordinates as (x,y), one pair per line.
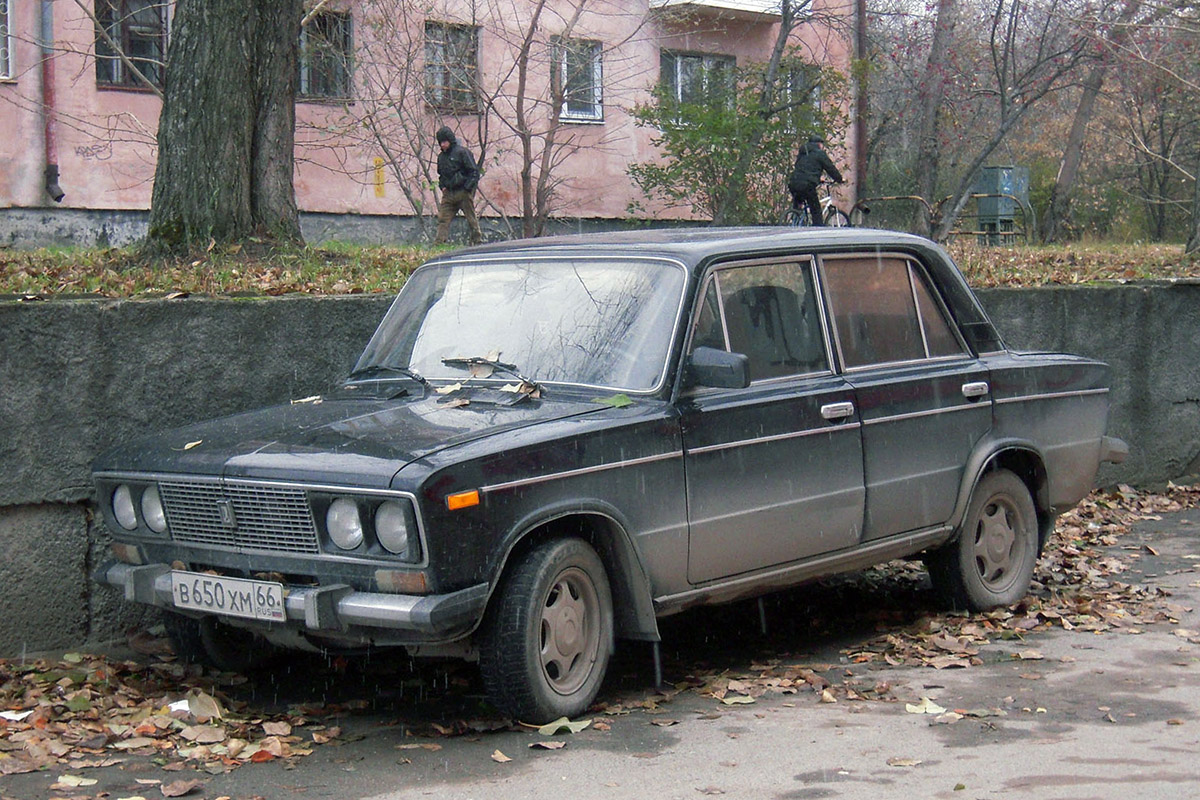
(696,246)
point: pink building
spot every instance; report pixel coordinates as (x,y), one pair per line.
(377,78)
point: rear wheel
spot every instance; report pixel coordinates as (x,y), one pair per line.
(836,218)
(210,642)
(548,634)
(991,562)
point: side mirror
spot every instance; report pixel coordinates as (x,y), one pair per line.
(719,369)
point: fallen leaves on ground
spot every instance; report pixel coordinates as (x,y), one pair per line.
(88,711)
(1077,587)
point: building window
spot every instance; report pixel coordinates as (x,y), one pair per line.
(697,77)
(326,47)
(6,39)
(578,75)
(138,29)
(451,66)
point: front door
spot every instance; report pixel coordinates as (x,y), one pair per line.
(774,471)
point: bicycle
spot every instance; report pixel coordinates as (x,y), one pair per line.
(833,217)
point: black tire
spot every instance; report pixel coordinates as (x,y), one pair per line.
(990,564)
(836,218)
(548,633)
(797,217)
(207,641)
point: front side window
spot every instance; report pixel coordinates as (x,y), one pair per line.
(136,29)
(697,77)
(578,75)
(767,312)
(6,39)
(451,66)
(326,47)
(884,312)
(597,323)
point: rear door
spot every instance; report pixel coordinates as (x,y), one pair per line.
(924,399)
(774,471)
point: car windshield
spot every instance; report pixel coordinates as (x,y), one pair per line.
(601,323)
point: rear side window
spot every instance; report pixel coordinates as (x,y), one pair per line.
(769,313)
(884,311)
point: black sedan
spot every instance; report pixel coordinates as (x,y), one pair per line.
(549,444)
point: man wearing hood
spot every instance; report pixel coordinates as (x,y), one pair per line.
(810,163)
(457,178)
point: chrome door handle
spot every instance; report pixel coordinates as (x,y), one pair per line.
(975,389)
(837,411)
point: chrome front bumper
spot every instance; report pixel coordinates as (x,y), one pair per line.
(327,608)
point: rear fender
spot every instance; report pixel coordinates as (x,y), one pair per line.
(1021,457)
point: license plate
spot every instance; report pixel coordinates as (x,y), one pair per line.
(233,597)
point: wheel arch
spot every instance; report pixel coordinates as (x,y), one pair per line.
(602,528)
(1026,461)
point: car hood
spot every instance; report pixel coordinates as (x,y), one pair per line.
(363,442)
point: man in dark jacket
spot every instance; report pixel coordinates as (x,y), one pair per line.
(457,178)
(810,163)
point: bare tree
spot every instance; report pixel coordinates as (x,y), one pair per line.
(1032,52)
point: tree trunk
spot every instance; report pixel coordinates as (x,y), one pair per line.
(273,194)
(1193,242)
(932,95)
(225,138)
(1068,169)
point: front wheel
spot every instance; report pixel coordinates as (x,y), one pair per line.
(548,634)
(991,562)
(836,218)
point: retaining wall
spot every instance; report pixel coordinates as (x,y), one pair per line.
(77,376)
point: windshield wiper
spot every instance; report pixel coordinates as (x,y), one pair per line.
(377,369)
(499,366)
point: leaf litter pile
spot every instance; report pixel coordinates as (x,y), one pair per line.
(90,711)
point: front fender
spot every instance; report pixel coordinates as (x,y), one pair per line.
(633,604)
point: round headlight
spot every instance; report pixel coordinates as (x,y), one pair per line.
(344,524)
(391,527)
(123,510)
(152,510)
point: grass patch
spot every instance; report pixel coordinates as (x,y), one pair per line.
(1072,264)
(237,269)
(333,269)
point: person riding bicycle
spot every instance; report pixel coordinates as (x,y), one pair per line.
(810,163)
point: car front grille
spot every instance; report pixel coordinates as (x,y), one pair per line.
(240,514)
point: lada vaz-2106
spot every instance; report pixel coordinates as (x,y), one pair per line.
(547,445)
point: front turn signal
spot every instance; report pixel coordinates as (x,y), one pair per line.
(462,500)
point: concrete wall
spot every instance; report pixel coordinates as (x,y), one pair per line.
(78,376)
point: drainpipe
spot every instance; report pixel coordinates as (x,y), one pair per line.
(49,115)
